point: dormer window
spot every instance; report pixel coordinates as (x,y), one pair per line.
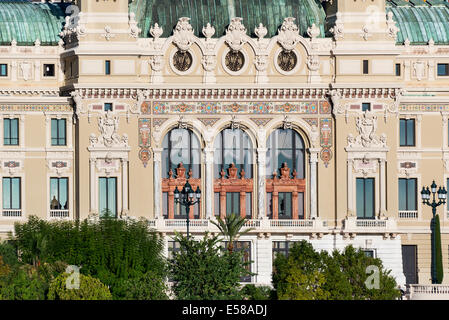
(108,107)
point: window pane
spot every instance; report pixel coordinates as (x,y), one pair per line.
(301,205)
(6,193)
(54,131)
(112,197)
(103,195)
(217,203)
(62,131)
(269,204)
(63,193)
(285,205)
(248,205)
(411,132)
(402,194)
(369,198)
(54,201)
(360,195)
(411,194)
(6,131)
(402,129)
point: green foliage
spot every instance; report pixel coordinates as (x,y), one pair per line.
(438,253)
(231,228)
(252,292)
(111,250)
(9,253)
(89,289)
(202,270)
(308,274)
(149,286)
(24,283)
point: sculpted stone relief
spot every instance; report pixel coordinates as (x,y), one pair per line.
(109,138)
(367,138)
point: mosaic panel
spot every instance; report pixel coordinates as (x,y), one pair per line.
(312,121)
(325,107)
(303,107)
(144,140)
(208,122)
(424,107)
(326,140)
(260,122)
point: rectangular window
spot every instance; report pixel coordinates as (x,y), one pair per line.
(173,246)
(365,198)
(232,203)
(248,205)
(217,203)
(3,70)
(270,204)
(11,132)
(107,67)
(407,195)
(285,205)
(11,193)
(443,69)
(165,204)
(300,205)
(245,247)
(407,132)
(398,69)
(49,70)
(365,67)
(108,196)
(281,247)
(369,253)
(366,107)
(58,132)
(59,190)
(108,107)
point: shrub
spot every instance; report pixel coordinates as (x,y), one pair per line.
(24,283)
(252,292)
(203,270)
(110,250)
(150,286)
(89,289)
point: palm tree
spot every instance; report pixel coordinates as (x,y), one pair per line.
(231,227)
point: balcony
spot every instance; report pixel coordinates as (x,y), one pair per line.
(408,215)
(59,213)
(377,225)
(12,213)
(258,225)
(427,292)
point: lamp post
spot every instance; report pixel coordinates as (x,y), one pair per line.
(425,196)
(187,197)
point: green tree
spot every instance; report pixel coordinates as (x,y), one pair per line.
(252,292)
(438,254)
(231,228)
(89,289)
(24,282)
(202,270)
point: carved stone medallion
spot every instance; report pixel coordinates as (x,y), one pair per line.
(182,60)
(234,60)
(287,60)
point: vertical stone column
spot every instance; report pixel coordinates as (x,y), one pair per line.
(209,194)
(157,182)
(124,187)
(350,189)
(93,188)
(383,193)
(313,184)
(261,189)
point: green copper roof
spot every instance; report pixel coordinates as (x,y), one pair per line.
(419,21)
(218,13)
(25,22)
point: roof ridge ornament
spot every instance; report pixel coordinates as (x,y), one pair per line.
(236,34)
(288,34)
(313,31)
(392,29)
(183,35)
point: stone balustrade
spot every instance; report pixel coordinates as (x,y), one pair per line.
(428,292)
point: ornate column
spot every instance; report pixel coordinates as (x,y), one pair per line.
(209,196)
(261,189)
(313,183)
(124,186)
(157,182)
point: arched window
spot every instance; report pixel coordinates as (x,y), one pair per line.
(233,146)
(233,171)
(181,145)
(285,183)
(181,154)
(285,146)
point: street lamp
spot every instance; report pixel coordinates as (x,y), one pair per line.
(187,197)
(425,196)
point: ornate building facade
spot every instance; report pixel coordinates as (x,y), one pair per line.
(314,120)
